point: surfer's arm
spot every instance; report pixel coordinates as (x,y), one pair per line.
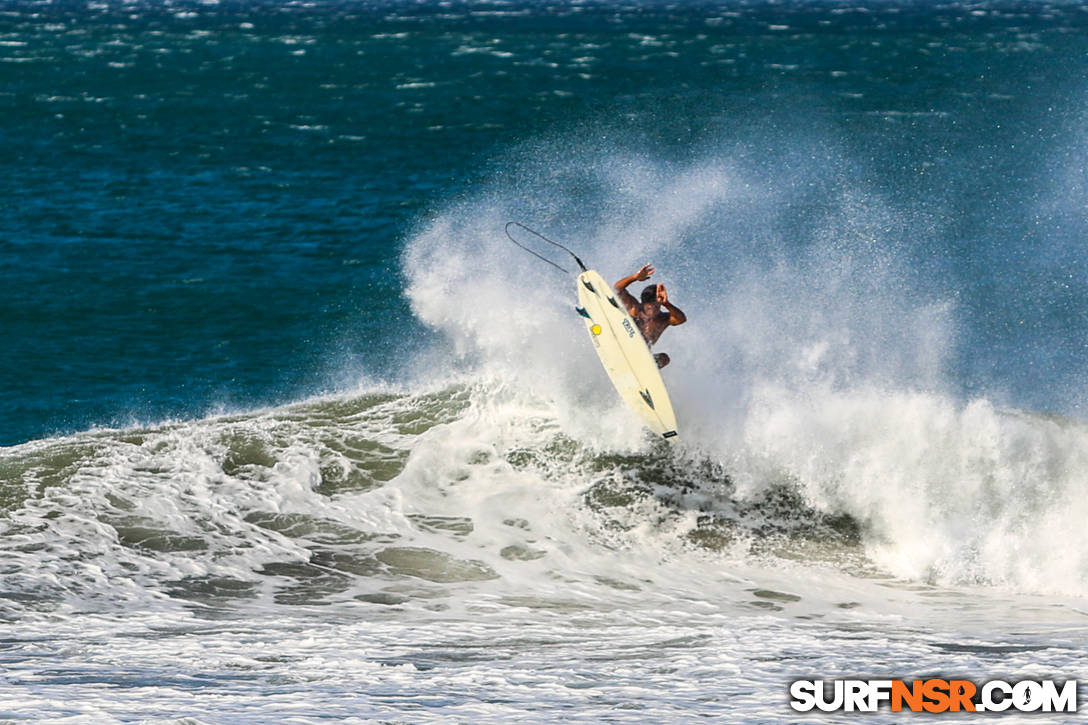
(626,297)
(676,315)
(628,300)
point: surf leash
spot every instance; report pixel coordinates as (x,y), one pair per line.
(549,241)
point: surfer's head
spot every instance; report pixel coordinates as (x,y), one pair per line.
(649,294)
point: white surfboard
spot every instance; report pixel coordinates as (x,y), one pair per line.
(624,354)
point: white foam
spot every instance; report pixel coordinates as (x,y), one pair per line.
(814,355)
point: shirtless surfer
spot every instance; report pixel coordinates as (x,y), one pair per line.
(648,313)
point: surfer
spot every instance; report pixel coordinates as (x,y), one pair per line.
(649,316)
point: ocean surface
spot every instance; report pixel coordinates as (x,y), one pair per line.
(290,432)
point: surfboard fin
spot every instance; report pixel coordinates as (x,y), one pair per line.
(646,396)
(582,311)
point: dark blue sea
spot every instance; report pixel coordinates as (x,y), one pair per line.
(290,431)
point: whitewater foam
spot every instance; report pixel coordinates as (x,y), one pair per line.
(815,359)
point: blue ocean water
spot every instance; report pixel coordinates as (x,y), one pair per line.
(288,429)
(206,203)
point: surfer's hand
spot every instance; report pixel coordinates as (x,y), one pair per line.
(662,295)
(644,274)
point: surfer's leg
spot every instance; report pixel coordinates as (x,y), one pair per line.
(662,360)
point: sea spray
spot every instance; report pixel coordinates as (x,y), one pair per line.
(817,360)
